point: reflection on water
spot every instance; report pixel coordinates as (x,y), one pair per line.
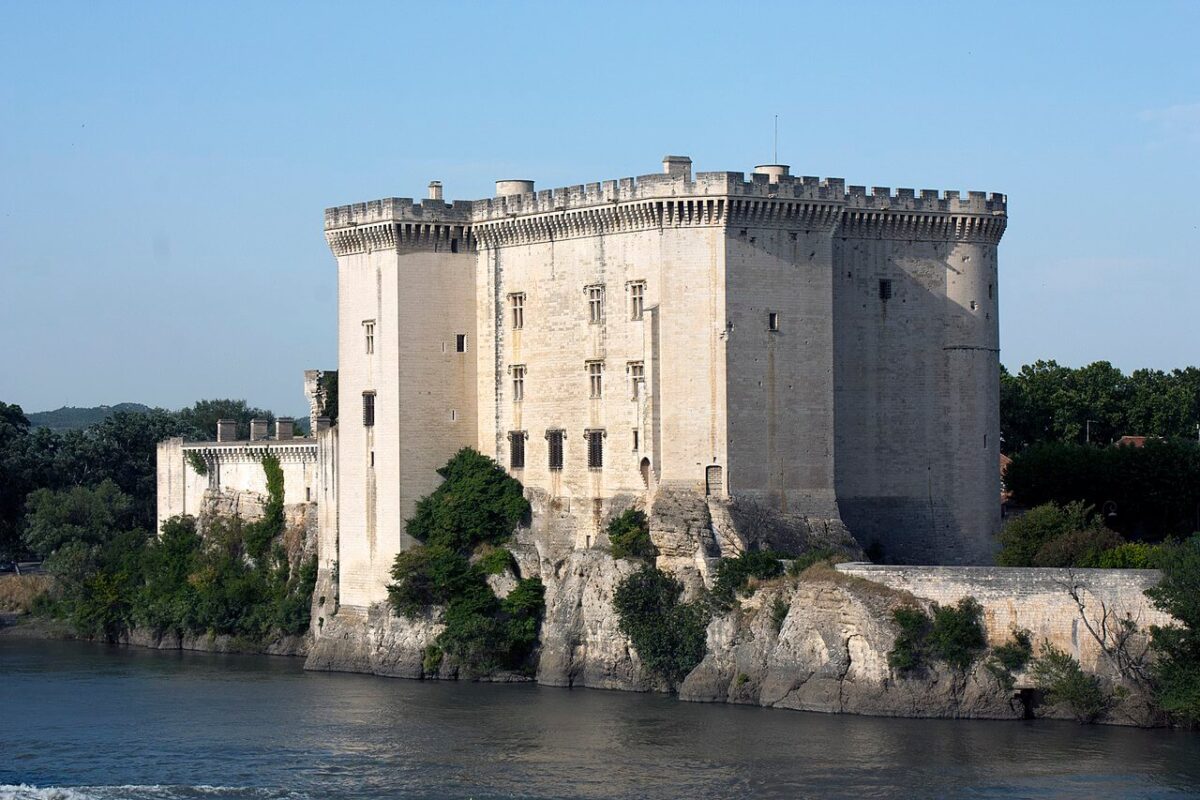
(128,723)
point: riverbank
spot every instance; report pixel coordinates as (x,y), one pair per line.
(122,720)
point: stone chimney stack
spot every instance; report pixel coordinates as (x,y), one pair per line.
(227,430)
(323,424)
(258,430)
(435,190)
(679,166)
(285,428)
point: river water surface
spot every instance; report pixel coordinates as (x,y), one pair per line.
(80,720)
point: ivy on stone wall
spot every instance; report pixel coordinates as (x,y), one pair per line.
(197,461)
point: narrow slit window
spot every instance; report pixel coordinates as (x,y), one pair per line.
(636,443)
(516,449)
(773,320)
(554,440)
(460,343)
(885,289)
(368,409)
(595,449)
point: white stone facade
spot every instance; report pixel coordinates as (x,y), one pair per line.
(827,351)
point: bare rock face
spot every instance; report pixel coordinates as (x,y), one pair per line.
(582,644)
(374,642)
(829,653)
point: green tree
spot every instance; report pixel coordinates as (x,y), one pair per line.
(629,535)
(669,635)
(477,502)
(1177,667)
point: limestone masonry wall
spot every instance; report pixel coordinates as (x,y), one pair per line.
(1032,598)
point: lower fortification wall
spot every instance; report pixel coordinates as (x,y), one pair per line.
(1055,605)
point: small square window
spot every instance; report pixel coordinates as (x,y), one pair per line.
(460,343)
(885,289)
(773,321)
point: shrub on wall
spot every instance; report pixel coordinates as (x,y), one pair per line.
(1062,680)
(734,574)
(954,635)
(629,535)
(669,636)
(474,509)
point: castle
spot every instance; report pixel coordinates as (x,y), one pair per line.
(821,350)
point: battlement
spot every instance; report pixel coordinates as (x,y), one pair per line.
(397,209)
(928,200)
(659,186)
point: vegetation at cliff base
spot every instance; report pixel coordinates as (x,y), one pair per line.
(1176,670)
(669,635)
(954,635)
(734,574)
(629,535)
(473,511)
(1063,681)
(1010,657)
(111,575)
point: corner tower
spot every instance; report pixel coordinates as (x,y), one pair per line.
(406,378)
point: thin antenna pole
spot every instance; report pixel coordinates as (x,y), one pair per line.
(776,158)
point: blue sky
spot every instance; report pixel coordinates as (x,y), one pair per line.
(164,166)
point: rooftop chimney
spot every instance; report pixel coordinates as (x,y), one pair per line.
(435,190)
(323,423)
(285,428)
(227,430)
(258,430)
(680,166)
(510,187)
(775,171)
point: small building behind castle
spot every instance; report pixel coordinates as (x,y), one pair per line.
(787,343)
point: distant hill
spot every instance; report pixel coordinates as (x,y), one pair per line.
(71,418)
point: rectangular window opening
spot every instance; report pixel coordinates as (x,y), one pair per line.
(773,321)
(554,439)
(460,343)
(518,382)
(595,448)
(595,296)
(516,449)
(635,439)
(368,409)
(516,303)
(595,371)
(637,378)
(637,300)
(369,335)
(885,289)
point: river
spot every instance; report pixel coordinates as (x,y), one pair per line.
(81,720)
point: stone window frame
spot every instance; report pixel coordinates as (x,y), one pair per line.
(594,292)
(369,335)
(773,321)
(637,300)
(595,373)
(516,305)
(516,449)
(595,447)
(885,289)
(368,410)
(556,446)
(518,372)
(461,344)
(637,378)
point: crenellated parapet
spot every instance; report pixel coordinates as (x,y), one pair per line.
(928,215)
(673,199)
(397,223)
